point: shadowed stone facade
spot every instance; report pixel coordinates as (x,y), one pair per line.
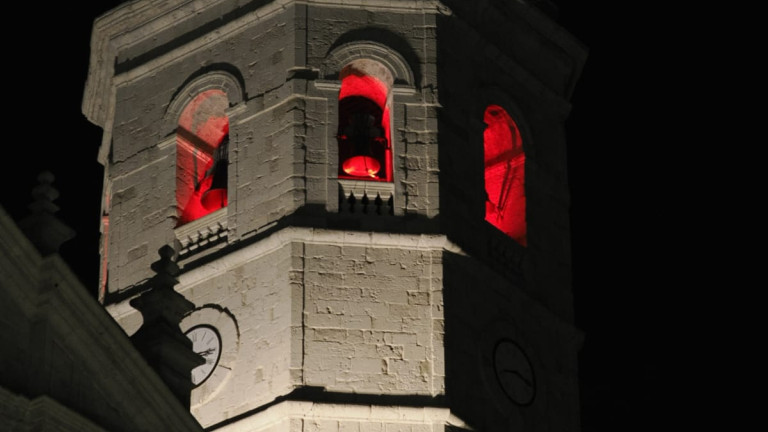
(65,364)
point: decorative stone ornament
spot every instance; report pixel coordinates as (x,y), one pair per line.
(159,339)
(44,229)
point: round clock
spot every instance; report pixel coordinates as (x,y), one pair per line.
(217,339)
(206,341)
(513,372)
(508,365)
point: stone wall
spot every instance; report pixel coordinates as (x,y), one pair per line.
(311,297)
(338,311)
(283,148)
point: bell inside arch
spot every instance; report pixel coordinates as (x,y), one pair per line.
(362,141)
(216,195)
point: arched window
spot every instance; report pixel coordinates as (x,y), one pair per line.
(202,139)
(364,137)
(504,174)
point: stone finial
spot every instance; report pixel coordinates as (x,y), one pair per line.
(42,228)
(165,268)
(160,340)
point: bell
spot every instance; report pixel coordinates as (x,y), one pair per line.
(362,141)
(216,195)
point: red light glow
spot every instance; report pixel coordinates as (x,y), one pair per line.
(361,166)
(203,125)
(504,174)
(214,199)
(356,89)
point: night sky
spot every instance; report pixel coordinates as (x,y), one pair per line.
(619,302)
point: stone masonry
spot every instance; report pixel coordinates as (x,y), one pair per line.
(333,317)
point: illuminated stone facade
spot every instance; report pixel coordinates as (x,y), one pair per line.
(348,304)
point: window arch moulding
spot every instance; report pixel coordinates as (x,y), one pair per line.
(393,63)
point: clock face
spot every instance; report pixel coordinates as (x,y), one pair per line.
(514,372)
(206,341)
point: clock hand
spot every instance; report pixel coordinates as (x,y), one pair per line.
(205,352)
(518,374)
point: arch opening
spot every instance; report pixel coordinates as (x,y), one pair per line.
(202,138)
(504,174)
(364,137)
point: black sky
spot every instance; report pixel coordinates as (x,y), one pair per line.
(618,302)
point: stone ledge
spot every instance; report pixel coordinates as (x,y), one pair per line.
(207,230)
(340,412)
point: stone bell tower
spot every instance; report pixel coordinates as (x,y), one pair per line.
(367,200)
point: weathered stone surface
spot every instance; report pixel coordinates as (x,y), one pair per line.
(319,285)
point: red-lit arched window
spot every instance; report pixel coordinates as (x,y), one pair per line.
(202,139)
(504,174)
(365,150)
